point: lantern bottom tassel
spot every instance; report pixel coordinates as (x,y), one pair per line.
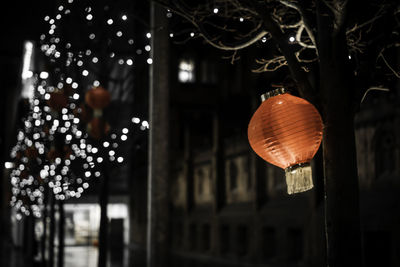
(298,178)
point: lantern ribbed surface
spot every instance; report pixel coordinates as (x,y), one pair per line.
(286,131)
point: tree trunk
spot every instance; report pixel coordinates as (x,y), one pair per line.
(61,229)
(103,231)
(342,212)
(342,219)
(158,159)
(337,92)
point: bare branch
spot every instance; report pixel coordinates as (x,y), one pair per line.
(356,27)
(397,74)
(298,37)
(197,18)
(374,88)
(270,64)
(234,57)
(304,20)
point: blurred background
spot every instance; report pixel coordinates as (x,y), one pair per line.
(76,188)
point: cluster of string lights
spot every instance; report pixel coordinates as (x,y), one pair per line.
(53,151)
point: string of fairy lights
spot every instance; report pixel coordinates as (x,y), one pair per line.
(54,149)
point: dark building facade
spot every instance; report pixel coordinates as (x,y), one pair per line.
(230,208)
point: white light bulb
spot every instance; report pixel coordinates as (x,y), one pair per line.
(44,75)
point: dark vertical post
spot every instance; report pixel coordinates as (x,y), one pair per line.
(52,229)
(44,220)
(61,229)
(188,170)
(218,164)
(103,231)
(218,179)
(157,220)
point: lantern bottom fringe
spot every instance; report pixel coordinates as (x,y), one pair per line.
(298,178)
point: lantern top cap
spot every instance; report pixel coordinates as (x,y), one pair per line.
(273,93)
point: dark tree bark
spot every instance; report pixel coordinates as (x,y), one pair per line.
(103,231)
(61,231)
(158,160)
(342,212)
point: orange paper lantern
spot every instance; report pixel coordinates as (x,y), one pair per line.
(286,131)
(58,100)
(97,98)
(98,128)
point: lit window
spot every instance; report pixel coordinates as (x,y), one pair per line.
(186,71)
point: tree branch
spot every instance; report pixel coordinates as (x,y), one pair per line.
(304,86)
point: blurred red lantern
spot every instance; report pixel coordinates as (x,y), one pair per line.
(31,152)
(286,131)
(98,128)
(82,113)
(68,90)
(67,152)
(58,100)
(53,154)
(97,98)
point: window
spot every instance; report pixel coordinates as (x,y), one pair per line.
(224,239)
(384,153)
(200,182)
(193,236)
(178,234)
(269,242)
(186,71)
(242,240)
(209,72)
(206,232)
(378,248)
(295,244)
(233,175)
